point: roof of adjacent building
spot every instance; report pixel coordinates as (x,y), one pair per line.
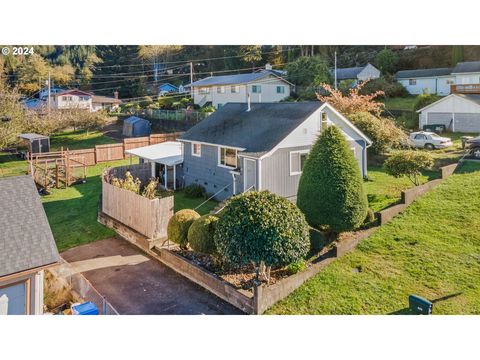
(475,98)
(348,73)
(256,131)
(168,153)
(472,97)
(134,119)
(235,79)
(408,74)
(32,136)
(73,92)
(467,67)
(167,86)
(26,241)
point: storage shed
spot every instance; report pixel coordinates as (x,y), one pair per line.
(458,112)
(135,126)
(36,143)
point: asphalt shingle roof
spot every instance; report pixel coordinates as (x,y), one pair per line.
(26,241)
(466,67)
(347,73)
(408,74)
(257,131)
(231,79)
(472,97)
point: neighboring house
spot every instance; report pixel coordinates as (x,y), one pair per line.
(463,78)
(164,89)
(27,247)
(261,86)
(261,147)
(356,74)
(426,81)
(458,112)
(78,99)
(43,93)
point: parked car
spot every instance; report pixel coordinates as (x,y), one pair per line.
(429,140)
(474,146)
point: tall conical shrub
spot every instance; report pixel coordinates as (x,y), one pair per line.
(331,190)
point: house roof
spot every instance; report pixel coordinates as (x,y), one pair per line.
(134,119)
(408,74)
(26,241)
(168,153)
(32,136)
(256,131)
(475,98)
(167,86)
(235,79)
(73,92)
(105,99)
(347,73)
(467,67)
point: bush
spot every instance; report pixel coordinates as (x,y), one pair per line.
(200,234)
(383,132)
(408,163)
(179,224)
(296,267)
(387,85)
(423,100)
(262,228)
(194,191)
(370,219)
(330,192)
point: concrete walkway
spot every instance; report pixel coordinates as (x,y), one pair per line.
(134,283)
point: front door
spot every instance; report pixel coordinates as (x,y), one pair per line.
(250,175)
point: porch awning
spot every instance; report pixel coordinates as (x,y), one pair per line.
(167,153)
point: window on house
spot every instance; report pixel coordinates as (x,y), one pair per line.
(450,82)
(256,89)
(235,89)
(297,161)
(227,157)
(220,89)
(324,120)
(412,82)
(197,149)
(354,151)
(204,90)
(280,89)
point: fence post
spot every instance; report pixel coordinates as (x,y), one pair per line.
(104,306)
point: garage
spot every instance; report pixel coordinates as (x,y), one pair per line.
(458,112)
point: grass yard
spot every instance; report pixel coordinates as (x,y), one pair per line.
(400,103)
(11,165)
(384,190)
(183,202)
(79,139)
(431,250)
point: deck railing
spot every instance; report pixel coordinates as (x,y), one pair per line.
(465,89)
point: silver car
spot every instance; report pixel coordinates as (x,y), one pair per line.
(429,140)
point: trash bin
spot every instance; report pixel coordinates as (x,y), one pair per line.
(419,305)
(464,140)
(87,308)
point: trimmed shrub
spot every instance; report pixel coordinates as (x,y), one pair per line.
(423,100)
(178,225)
(194,191)
(330,192)
(200,234)
(262,228)
(388,85)
(296,267)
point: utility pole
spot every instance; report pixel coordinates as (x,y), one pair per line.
(335,71)
(191,78)
(49,92)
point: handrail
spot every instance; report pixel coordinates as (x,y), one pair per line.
(211,197)
(223,207)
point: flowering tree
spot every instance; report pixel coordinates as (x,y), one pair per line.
(353,102)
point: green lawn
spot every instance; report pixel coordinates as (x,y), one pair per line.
(79,139)
(384,190)
(431,250)
(400,103)
(11,165)
(183,202)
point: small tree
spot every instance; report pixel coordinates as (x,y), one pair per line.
(423,100)
(330,192)
(264,229)
(408,163)
(387,61)
(308,71)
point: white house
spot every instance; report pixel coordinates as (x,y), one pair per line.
(78,99)
(426,81)
(458,112)
(359,73)
(466,73)
(261,86)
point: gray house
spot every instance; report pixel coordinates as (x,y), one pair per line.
(359,73)
(27,247)
(260,146)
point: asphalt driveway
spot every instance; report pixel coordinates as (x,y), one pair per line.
(137,284)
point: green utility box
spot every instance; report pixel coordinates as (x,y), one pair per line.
(419,305)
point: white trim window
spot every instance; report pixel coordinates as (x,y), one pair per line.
(227,157)
(280,89)
(412,82)
(235,89)
(196,149)
(256,89)
(220,89)
(204,90)
(297,161)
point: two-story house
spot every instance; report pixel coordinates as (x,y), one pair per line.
(79,99)
(260,86)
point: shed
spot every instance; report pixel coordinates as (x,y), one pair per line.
(135,126)
(458,112)
(36,143)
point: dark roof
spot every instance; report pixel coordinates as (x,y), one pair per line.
(26,241)
(347,73)
(233,79)
(408,74)
(466,67)
(32,136)
(472,97)
(134,119)
(258,130)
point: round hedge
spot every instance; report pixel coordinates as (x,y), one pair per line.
(200,234)
(178,225)
(261,226)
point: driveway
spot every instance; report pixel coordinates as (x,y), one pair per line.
(135,283)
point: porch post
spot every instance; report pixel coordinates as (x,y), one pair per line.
(152,167)
(166,172)
(174,177)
